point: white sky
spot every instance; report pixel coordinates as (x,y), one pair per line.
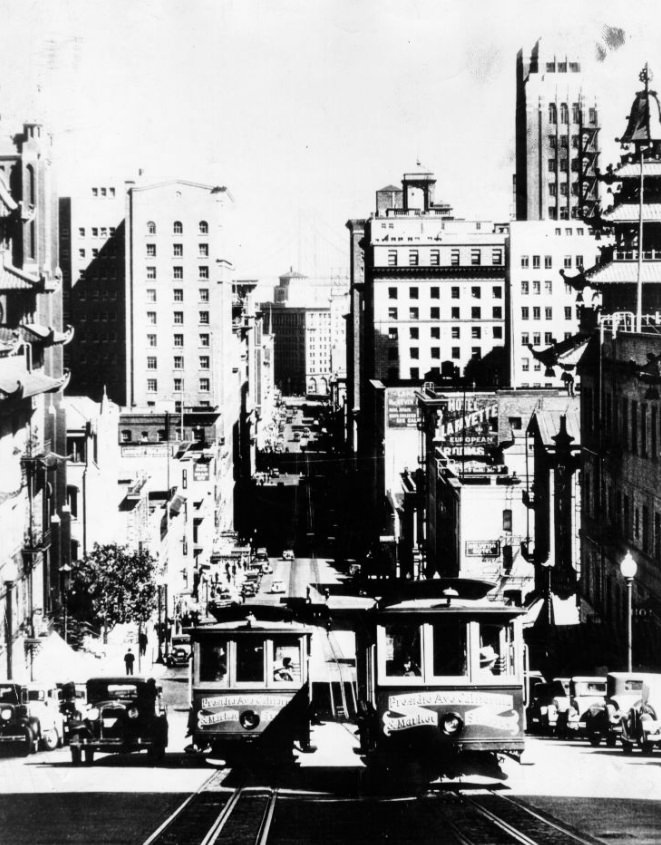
(303,108)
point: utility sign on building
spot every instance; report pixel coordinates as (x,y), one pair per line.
(402,408)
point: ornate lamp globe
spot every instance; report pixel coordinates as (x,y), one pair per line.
(628,567)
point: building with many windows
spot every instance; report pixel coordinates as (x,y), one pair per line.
(542,305)
(557,145)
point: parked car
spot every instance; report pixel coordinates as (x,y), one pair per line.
(123,714)
(277,587)
(180,650)
(542,713)
(604,720)
(262,553)
(584,692)
(559,706)
(45,713)
(642,724)
(249,589)
(72,704)
(17,729)
(288,554)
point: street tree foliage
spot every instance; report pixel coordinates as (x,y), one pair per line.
(112,585)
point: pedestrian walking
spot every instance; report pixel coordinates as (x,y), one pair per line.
(129,660)
(142,642)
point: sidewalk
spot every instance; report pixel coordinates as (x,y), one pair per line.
(120,640)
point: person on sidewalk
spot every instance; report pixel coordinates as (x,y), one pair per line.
(129,660)
(142,642)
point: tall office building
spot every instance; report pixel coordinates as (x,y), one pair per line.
(557,145)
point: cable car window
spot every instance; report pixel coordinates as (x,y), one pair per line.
(250,660)
(213,662)
(449,648)
(286,660)
(403,651)
(496,652)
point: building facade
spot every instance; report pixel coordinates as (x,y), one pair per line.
(557,144)
(33,507)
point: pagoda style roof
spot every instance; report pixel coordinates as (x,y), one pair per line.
(622,272)
(17,382)
(565,354)
(13,278)
(47,335)
(630,212)
(631,169)
(548,425)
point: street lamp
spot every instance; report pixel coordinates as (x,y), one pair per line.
(9,576)
(628,568)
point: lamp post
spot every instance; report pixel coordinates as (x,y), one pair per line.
(628,568)
(9,576)
(65,574)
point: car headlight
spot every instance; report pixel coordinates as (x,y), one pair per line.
(5,713)
(132,713)
(451,724)
(92,714)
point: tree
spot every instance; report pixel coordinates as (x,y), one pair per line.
(112,585)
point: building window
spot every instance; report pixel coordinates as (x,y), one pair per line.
(151,295)
(476,313)
(414,258)
(435,332)
(498,332)
(392,258)
(548,338)
(536,338)
(151,317)
(553,113)
(525,339)
(151,340)
(179,317)
(548,286)
(392,333)
(414,333)
(203,272)
(151,250)
(564,113)
(204,362)
(205,385)
(496,255)
(178,362)
(454,292)
(476,352)
(456,353)
(454,257)
(177,250)
(204,317)
(151,362)
(476,257)
(476,292)
(525,287)
(497,313)
(203,227)
(177,228)
(414,352)
(454,313)
(178,294)
(151,228)
(204,294)
(204,340)
(203,250)
(392,313)
(568,315)
(414,373)
(434,313)
(548,313)
(152,385)
(525,261)
(497,292)
(434,257)
(151,272)
(178,385)
(414,313)
(536,313)
(535,262)
(392,293)
(435,293)
(552,165)
(436,352)
(413,293)
(507,520)
(456,332)
(525,313)
(178,272)
(525,365)
(476,333)
(178,340)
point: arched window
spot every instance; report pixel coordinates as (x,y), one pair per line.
(204,227)
(31,186)
(151,228)
(178,227)
(553,113)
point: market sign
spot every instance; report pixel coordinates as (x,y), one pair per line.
(402,408)
(201,471)
(483,548)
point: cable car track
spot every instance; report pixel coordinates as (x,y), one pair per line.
(494,818)
(210,815)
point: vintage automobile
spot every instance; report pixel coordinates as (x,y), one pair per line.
(542,711)
(44,709)
(559,706)
(123,714)
(18,730)
(72,704)
(288,554)
(278,586)
(584,692)
(180,650)
(642,724)
(604,720)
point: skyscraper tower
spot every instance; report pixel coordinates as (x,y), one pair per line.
(556,138)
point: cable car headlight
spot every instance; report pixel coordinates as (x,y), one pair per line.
(451,724)
(249,720)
